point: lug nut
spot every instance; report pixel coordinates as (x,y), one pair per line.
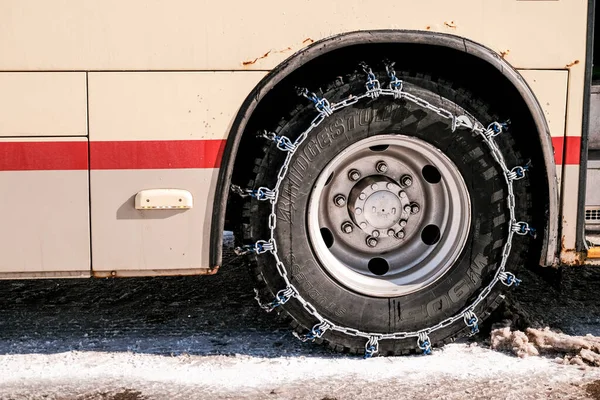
(414,208)
(371,241)
(406,180)
(390,186)
(354,175)
(375,234)
(391,232)
(407,209)
(363,225)
(402,223)
(347,227)
(381,167)
(402,194)
(339,200)
(400,235)
(362,196)
(358,211)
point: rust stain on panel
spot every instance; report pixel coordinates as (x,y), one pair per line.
(571,257)
(267,54)
(213,270)
(450,24)
(504,53)
(250,62)
(572,64)
(273,51)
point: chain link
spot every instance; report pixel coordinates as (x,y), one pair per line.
(260,247)
(373,86)
(395,90)
(523,228)
(262,193)
(316,332)
(471,321)
(282,297)
(509,279)
(395,83)
(423,342)
(372,346)
(517,173)
(321,104)
(283,142)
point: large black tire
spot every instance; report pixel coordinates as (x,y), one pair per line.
(474,267)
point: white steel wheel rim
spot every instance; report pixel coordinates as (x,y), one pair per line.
(413,262)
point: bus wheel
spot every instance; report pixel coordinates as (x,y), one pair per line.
(389,218)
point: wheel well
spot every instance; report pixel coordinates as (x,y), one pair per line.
(455,62)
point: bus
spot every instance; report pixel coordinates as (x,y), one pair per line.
(386,167)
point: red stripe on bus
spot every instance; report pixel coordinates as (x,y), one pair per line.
(32,156)
(156,154)
(570,146)
(159,154)
(148,154)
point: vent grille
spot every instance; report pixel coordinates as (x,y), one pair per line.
(592,214)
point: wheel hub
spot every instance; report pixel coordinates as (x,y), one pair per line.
(389,215)
(378,203)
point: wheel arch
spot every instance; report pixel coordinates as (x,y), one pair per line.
(320,54)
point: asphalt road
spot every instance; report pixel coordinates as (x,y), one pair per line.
(204,315)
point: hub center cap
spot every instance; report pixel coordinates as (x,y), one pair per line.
(382,209)
(378,202)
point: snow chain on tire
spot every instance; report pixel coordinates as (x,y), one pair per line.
(326,109)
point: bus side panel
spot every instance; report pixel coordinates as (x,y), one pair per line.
(45,207)
(124,238)
(551,89)
(43,104)
(157,130)
(233,34)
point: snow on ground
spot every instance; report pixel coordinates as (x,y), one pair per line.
(456,372)
(205,338)
(576,350)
